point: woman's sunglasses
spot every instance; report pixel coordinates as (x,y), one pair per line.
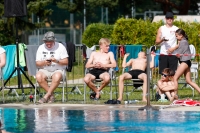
(164,75)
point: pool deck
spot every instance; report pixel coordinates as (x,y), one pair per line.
(104,107)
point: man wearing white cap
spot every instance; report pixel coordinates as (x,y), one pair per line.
(51,58)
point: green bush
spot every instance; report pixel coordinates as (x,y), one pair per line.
(192,31)
(133,31)
(94,32)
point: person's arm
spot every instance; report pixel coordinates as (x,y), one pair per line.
(159,40)
(160,84)
(171,50)
(43,63)
(152,60)
(39,61)
(183,46)
(61,61)
(124,64)
(166,87)
(89,63)
(3,59)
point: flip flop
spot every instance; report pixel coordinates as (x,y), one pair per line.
(113,102)
(92,95)
(96,99)
(116,102)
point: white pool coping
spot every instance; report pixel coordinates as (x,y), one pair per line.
(104,107)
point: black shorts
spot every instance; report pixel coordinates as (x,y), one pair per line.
(135,73)
(167,61)
(96,72)
(188,62)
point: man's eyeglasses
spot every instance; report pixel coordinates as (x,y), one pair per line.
(164,75)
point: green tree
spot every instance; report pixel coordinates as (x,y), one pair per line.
(181,5)
(77,6)
(8,25)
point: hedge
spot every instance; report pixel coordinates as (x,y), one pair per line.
(133,31)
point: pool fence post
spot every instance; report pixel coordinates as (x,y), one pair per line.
(148,106)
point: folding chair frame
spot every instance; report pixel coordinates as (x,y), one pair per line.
(63,81)
(112,77)
(135,81)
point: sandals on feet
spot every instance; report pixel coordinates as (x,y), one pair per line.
(113,102)
(42,100)
(96,99)
(93,96)
(51,99)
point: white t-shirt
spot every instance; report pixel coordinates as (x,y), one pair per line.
(58,51)
(168,33)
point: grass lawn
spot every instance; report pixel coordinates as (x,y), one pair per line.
(76,98)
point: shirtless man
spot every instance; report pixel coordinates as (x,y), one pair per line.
(166,81)
(100,62)
(138,67)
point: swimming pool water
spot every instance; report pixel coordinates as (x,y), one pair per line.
(60,120)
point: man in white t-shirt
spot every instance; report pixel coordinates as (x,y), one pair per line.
(51,59)
(167,39)
(2,57)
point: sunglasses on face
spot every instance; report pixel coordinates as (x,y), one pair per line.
(164,75)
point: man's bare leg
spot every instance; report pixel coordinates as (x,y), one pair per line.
(41,79)
(105,81)
(143,77)
(122,77)
(170,97)
(56,78)
(88,79)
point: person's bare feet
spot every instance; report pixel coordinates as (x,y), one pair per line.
(175,97)
(97,95)
(119,99)
(144,100)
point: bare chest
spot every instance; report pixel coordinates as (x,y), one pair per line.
(102,57)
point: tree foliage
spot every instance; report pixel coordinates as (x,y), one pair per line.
(8,25)
(133,31)
(73,6)
(95,32)
(182,6)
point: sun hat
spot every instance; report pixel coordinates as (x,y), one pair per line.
(49,36)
